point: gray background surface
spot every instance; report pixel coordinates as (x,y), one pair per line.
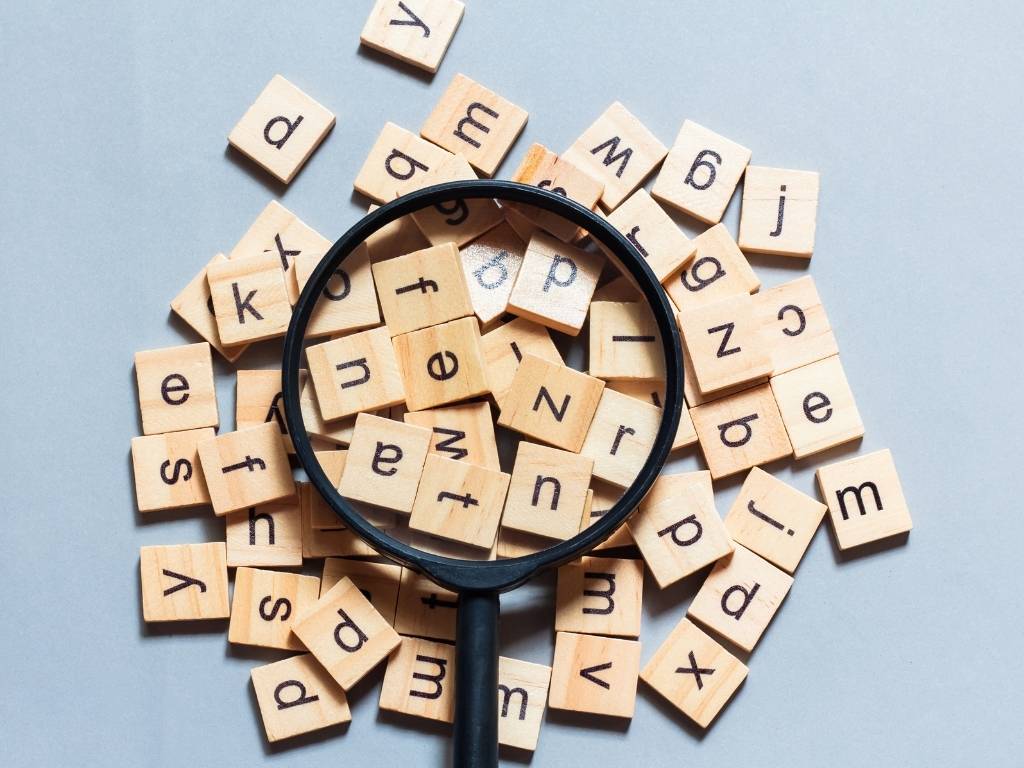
(117,188)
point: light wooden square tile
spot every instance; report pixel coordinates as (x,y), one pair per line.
(460,432)
(459,501)
(398,238)
(194,306)
(176,390)
(420,680)
(296,696)
(548,491)
(335,542)
(653,392)
(441,364)
(718,270)
(337,431)
(594,674)
(184,582)
(620,437)
(422,289)
(600,596)
(258,400)
(396,162)
(602,498)
(543,168)
(653,233)
(780,208)
(377,581)
(490,265)
(265,605)
(794,325)
(624,342)
(250,298)
(417,32)
(522,699)
(425,609)
(355,373)
(385,462)
(167,470)
(267,535)
(504,348)
(246,468)
(817,407)
(349,300)
(555,284)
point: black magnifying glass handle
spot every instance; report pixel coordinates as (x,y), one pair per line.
(476,681)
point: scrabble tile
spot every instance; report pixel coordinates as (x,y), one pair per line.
(725,344)
(773,519)
(422,289)
(692,393)
(281,129)
(653,233)
(547,492)
(246,468)
(600,596)
(458,221)
(865,499)
(601,499)
(522,698)
(741,431)
(551,402)
(653,392)
(420,680)
(167,471)
(490,265)
(194,306)
(346,634)
(504,348)
(399,237)
(718,270)
(594,674)
(377,581)
(417,32)
(817,407)
(321,516)
(441,364)
(265,605)
(184,582)
(338,431)
(794,325)
(620,437)
(624,342)
(476,123)
(337,542)
(543,168)
(349,300)
(425,609)
(459,501)
(520,223)
(779,211)
(355,373)
(385,461)
(619,151)
(296,696)
(740,597)
(677,527)
(267,535)
(280,232)
(696,674)
(460,432)
(258,400)
(176,390)
(397,159)
(701,172)
(250,298)
(620,288)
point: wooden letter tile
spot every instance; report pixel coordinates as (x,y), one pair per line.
(653,233)
(385,461)
(335,542)
(459,501)
(624,342)
(422,289)
(817,407)
(725,344)
(779,211)
(281,129)
(184,582)
(420,680)
(397,161)
(522,698)
(355,373)
(619,151)
(543,168)
(246,468)
(377,581)
(551,402)
(701,172)
(600,501)
(395,239)
(346,634)
(555,284)
(794,325)
(600,596)
(740,597)
(490,265)
(441,364)
(461,432)
(267,535)
(696,674)
(620,437)
(258,400)
(250,298)
(594,674)
(296,696)
(677,527)
(176,390)
(267,604)
(504,348)
(417,32)
(653,392)
(475,122)
(194,306)
(718,270)
(741,431)
(865,499)
(167,470)
(425,609)
(773,519)
(349,300)
(548,491)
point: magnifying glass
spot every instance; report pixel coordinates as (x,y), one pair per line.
(481,579)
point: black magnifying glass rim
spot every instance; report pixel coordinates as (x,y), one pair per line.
(485,575)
